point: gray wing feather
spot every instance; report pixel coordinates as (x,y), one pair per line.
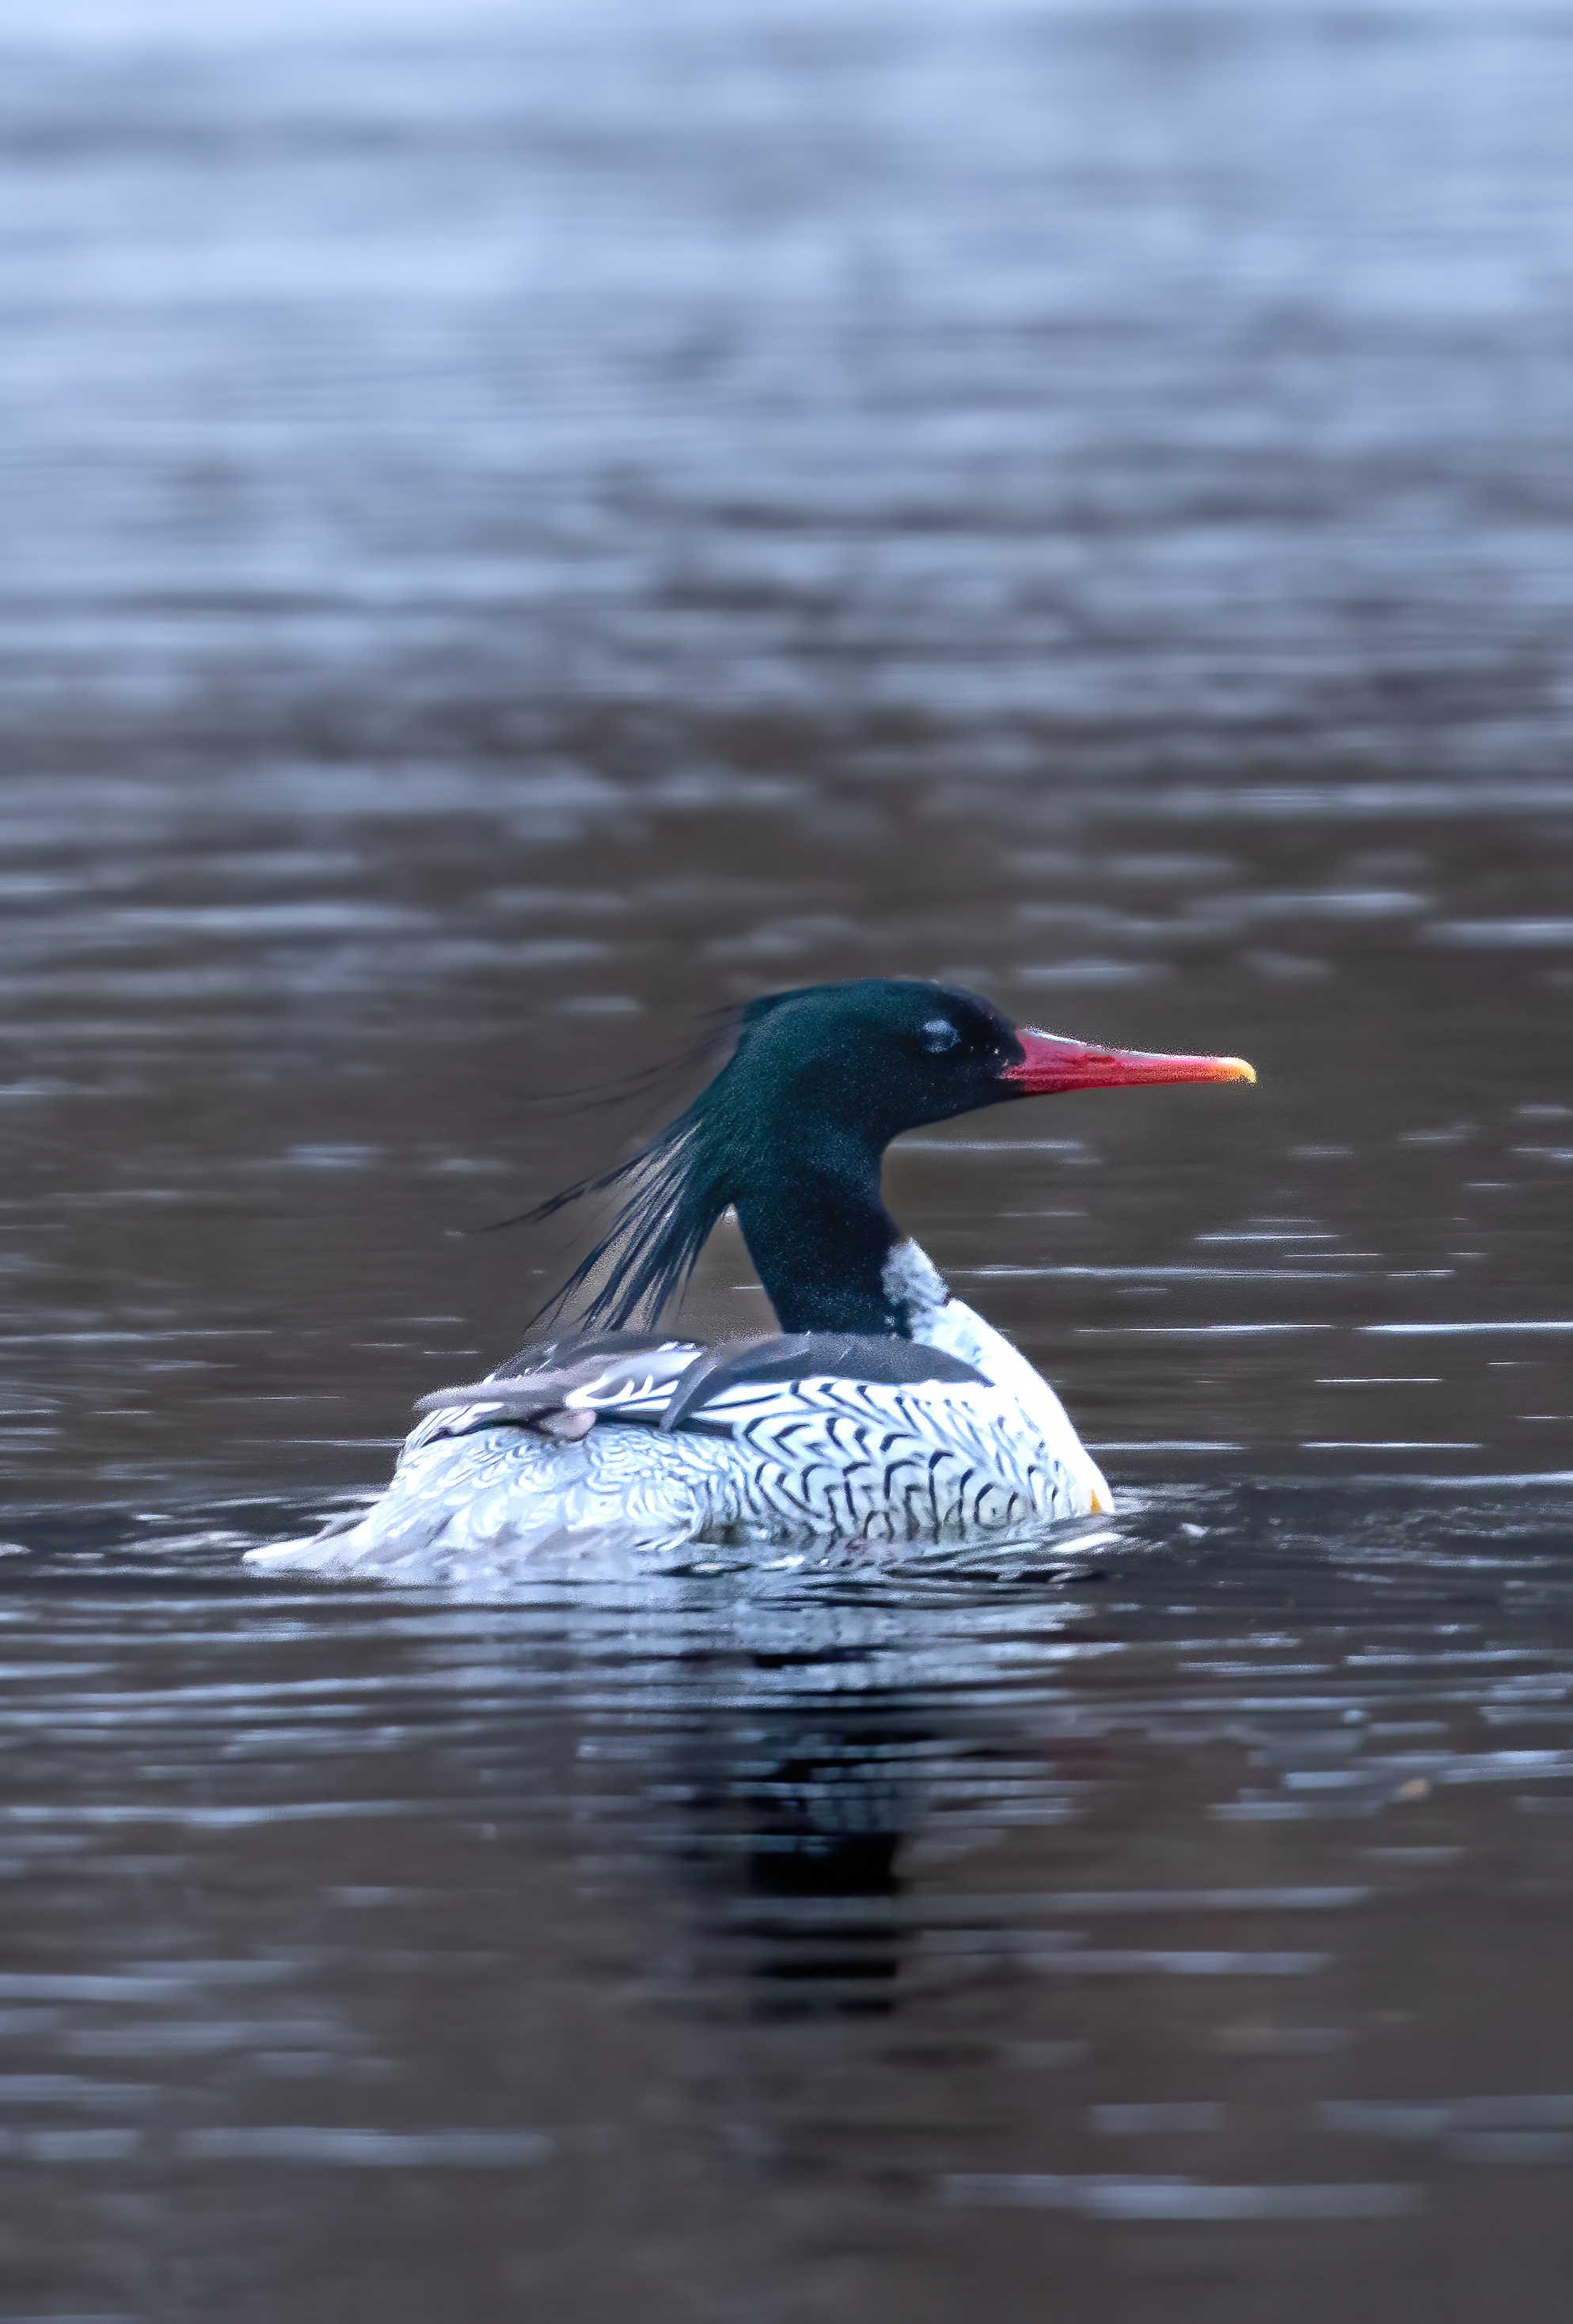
(599,1375)
(552,1355)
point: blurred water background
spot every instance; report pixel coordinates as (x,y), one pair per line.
(528,521)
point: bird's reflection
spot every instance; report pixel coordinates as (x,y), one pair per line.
(810,1773)
(799,1832)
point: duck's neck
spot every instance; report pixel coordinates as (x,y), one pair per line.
(829,1255)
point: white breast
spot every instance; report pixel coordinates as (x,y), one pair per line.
(937,1319)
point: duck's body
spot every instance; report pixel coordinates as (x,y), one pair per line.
(783,1443)
(888,1411)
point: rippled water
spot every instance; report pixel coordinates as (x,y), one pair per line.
(527,523)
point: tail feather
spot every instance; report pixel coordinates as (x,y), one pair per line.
(471,1511)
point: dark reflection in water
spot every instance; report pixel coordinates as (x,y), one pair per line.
(526,522)
(807,1817)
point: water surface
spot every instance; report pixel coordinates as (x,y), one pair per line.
(525,527)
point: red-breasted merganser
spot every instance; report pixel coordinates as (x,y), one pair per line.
(885,1411)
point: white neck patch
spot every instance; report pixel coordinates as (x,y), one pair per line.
(913,1284)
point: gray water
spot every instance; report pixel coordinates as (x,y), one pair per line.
(526,523)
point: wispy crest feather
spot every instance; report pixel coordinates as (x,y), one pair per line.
(672,1192)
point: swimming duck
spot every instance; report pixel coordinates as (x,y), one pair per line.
(884,1409)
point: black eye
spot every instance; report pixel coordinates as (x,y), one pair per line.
(937,1036)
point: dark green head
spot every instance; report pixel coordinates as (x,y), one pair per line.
(791,1131)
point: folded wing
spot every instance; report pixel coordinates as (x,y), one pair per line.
(564,1387)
